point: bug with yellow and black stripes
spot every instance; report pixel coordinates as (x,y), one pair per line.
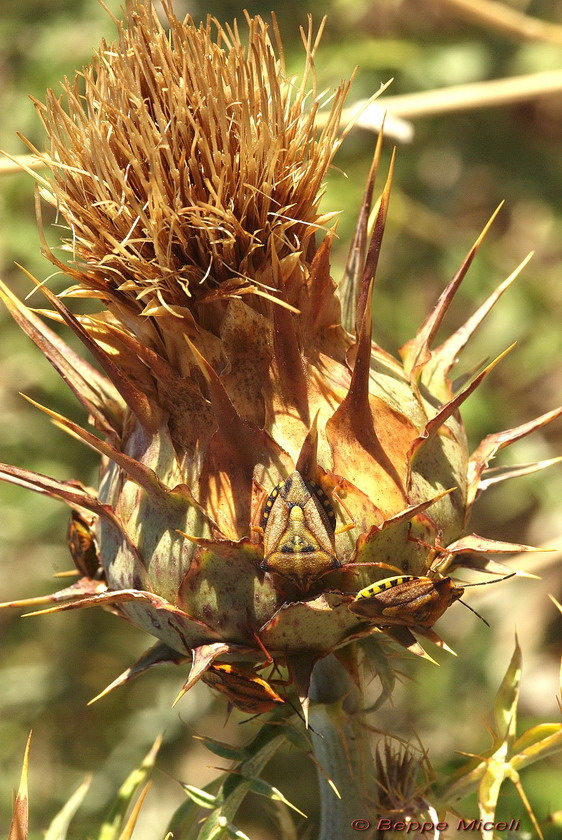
(410,601)
(406,600)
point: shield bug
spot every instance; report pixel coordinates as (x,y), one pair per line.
(299,523)
(406,600)
(82,544)
(410,601)
(242,688)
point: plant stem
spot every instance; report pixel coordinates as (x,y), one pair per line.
(341,747)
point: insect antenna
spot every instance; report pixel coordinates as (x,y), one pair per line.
(488,582)
(301,716)
(483,583)
(474,611)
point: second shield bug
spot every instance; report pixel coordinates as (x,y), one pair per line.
(410,601)
(406,600)
(242,688)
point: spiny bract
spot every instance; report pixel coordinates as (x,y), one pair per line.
(189,172)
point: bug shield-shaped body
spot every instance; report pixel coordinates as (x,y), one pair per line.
(299,525)
(82,544)
(406,600)
(242,688)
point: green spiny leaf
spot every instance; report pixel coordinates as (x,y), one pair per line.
(537,742)
(385,672)
(238,783)
(489,788)
(298,738)
(285,822)
(263,788)
(58,828)
(463,782)
(202,798)
(184,822)
(115,823)
(223,750)
(260,750)
(220,827)
(236,833)
(514,776)
(127,832)
(505,707)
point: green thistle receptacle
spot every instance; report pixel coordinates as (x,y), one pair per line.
(189,172)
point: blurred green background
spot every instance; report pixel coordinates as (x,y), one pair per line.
(448,181)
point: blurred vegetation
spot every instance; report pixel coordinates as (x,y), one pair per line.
(448,181)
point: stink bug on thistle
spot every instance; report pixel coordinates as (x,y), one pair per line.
(410,601)
(242,688)
(406,600)
(299,528)
(82,544)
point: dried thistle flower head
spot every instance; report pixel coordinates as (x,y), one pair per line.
(259,464)
(189,169)
(402,777)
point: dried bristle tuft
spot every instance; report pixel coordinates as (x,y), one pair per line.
(185,163)
(401,774)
